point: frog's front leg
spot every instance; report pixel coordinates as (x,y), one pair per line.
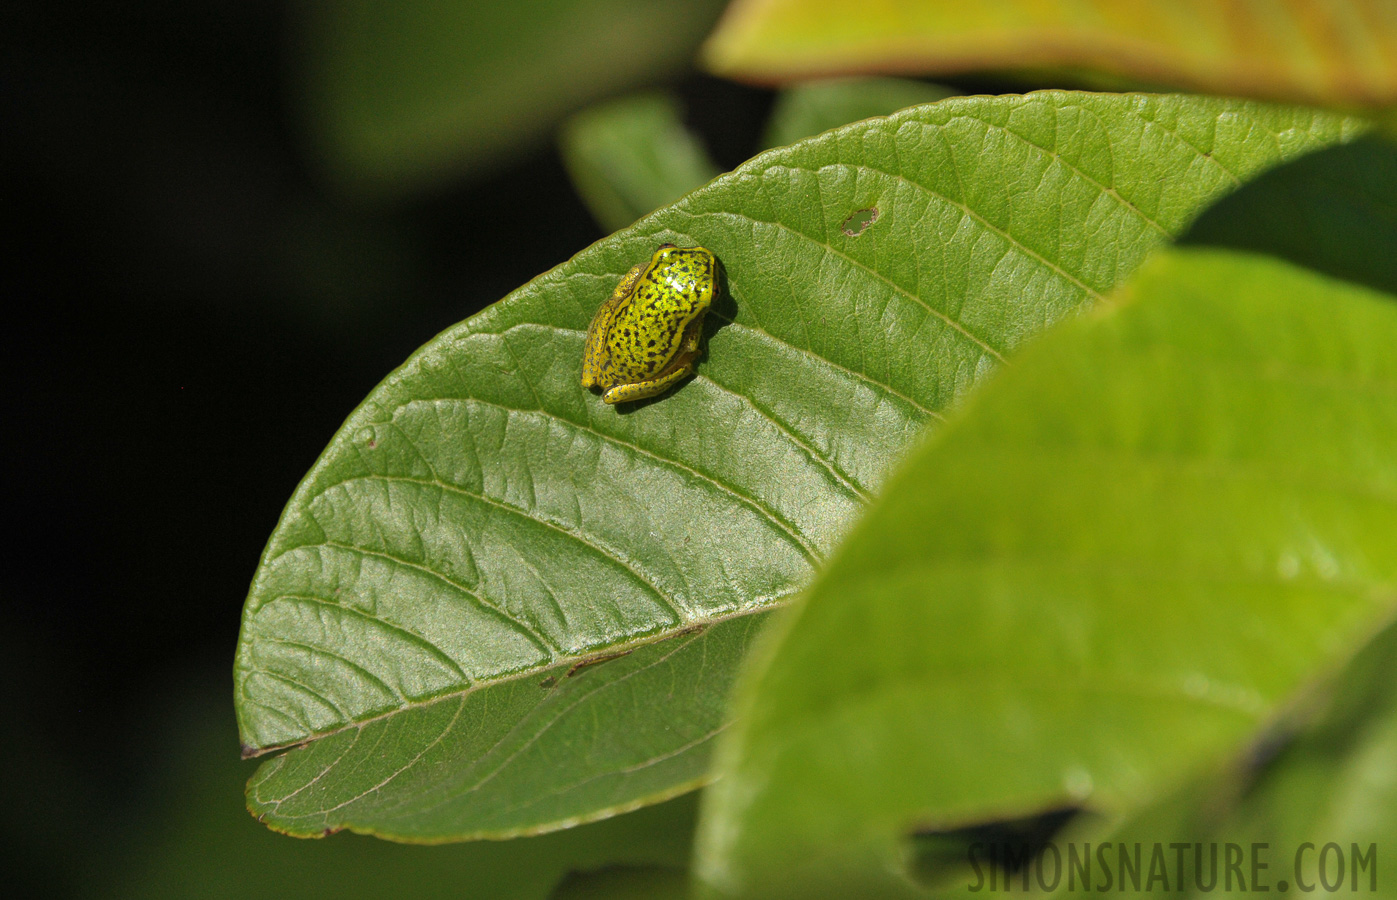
(692,335)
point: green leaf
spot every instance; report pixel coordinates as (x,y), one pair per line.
(1334,785)
(1129,552)
(480,526)
(191,840)
(399,96)
(629,157)
(811,107)
(520,756)
(1330,52)
(1328,781)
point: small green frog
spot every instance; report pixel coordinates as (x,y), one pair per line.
(646,335)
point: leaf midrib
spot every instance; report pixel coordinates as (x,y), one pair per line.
(556,715)
(758,606)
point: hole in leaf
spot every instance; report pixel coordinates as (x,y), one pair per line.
(595,660)
(859,221)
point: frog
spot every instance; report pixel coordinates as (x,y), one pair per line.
(645,337)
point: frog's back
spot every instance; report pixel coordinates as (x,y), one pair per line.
(648,332)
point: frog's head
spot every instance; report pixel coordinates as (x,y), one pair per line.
(690,275)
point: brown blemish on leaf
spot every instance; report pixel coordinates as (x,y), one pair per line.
(606,657)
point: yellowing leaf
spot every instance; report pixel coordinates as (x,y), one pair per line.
(1339,52)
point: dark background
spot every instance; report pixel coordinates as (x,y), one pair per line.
(191,313)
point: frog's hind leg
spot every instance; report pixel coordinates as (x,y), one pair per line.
(682,366)
(690,345)
(624,393)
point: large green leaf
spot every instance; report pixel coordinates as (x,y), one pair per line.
(397,96)
(481,525)
(1113,569)
(1340,52)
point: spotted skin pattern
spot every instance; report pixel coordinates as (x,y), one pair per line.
(646,335)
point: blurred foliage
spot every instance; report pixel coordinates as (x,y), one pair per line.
(1129,552)
(631,156)
(807,108)
(1324,776)
(400,97)
(1334,212)
(619,883)
(1327,52)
